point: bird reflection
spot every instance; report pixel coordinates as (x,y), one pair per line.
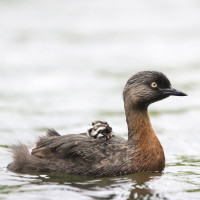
(135,186)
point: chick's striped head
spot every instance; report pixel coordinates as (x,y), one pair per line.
(100,130)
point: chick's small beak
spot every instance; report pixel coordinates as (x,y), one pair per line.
(174,92)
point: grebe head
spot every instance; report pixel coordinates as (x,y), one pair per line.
(147,87)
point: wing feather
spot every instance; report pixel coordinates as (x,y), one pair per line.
(75,146)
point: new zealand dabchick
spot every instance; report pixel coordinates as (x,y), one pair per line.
(99,152)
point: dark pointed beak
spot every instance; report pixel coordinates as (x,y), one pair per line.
(174,92)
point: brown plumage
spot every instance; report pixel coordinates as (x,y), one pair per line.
(82,154)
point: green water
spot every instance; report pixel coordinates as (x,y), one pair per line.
(64,64)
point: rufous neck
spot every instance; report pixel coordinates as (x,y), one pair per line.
(139,125)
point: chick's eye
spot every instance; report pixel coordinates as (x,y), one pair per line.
(154,85)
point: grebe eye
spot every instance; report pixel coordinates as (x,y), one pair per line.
(154,85)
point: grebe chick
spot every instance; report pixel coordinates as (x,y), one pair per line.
(83,154)
(100,130)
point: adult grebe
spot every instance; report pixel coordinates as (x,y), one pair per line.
(88,154)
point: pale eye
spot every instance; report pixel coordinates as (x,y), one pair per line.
(154,85)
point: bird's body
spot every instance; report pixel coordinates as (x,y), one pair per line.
(82,154)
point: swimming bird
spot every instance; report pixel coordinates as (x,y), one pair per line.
(87,154)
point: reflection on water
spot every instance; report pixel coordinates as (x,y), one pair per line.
(129,187)
(134,186)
